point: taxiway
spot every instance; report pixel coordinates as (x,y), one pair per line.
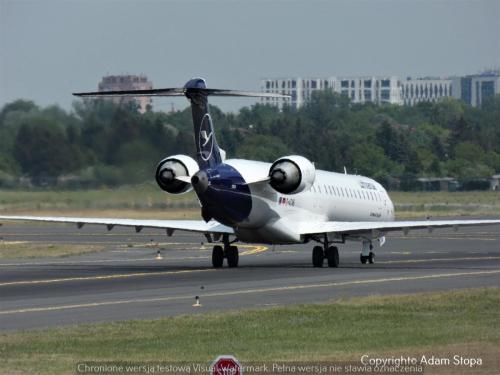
(126,281)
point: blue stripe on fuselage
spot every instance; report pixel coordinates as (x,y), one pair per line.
(227,197)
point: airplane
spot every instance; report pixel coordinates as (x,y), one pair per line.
(288,201)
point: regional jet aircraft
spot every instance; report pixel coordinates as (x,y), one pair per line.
(285,202)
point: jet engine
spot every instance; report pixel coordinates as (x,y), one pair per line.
(173,174)
(292,174)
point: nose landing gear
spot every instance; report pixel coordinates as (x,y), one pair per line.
(367,254)
(230,252)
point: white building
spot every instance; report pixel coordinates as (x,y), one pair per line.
(474,89)
(418,90)
(359,89)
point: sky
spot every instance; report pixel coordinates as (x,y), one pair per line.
(51,48)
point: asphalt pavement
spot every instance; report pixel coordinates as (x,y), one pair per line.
(126,281)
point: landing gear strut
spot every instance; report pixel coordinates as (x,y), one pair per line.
(367,254)
(330,253)
(229,252)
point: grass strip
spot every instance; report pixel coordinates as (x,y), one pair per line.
(335,331)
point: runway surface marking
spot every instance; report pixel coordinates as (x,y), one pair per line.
(249,291)
(253,249)
(447,238)
(76,262)
(436,260)
(103,277)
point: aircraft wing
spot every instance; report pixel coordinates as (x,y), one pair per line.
(355,227)
(200,226)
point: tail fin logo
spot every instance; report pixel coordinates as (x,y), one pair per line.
(206,139)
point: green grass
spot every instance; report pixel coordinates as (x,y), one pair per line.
(437,204)
(487,197)
(142,197)
(336,331)
(21,249)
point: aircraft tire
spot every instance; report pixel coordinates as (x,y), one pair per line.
(371,258)
(332,256)
(363,259)
(217,256)
(232,257)
(317,256)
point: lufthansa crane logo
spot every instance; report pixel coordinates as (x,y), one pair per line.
(206,139)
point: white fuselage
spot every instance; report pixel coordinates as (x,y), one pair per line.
(333,197)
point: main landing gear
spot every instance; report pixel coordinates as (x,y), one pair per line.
(367,254)
(229,252)
(330,253)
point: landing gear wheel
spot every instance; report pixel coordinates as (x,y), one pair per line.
(363,259)
(232,256)
(371,258)
(317,256)
(217,256)
(332,256)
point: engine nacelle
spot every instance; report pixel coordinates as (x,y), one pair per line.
(292,174)
(173,173)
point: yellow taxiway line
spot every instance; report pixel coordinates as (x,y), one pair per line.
(249,291)
(253,249)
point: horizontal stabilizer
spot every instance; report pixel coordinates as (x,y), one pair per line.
(180,92)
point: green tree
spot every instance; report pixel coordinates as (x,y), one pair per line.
(42,150)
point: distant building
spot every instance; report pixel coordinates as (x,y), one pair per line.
(474,89)
(369,89)
(128,82)
(378,90)
(438,183)
(495,182)
(418,90)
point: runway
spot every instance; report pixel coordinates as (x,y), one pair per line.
(126,281)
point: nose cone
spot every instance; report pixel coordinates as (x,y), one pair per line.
(200,182)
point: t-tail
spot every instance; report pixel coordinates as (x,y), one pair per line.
(208,153)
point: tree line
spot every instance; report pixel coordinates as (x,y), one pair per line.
(100,143)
